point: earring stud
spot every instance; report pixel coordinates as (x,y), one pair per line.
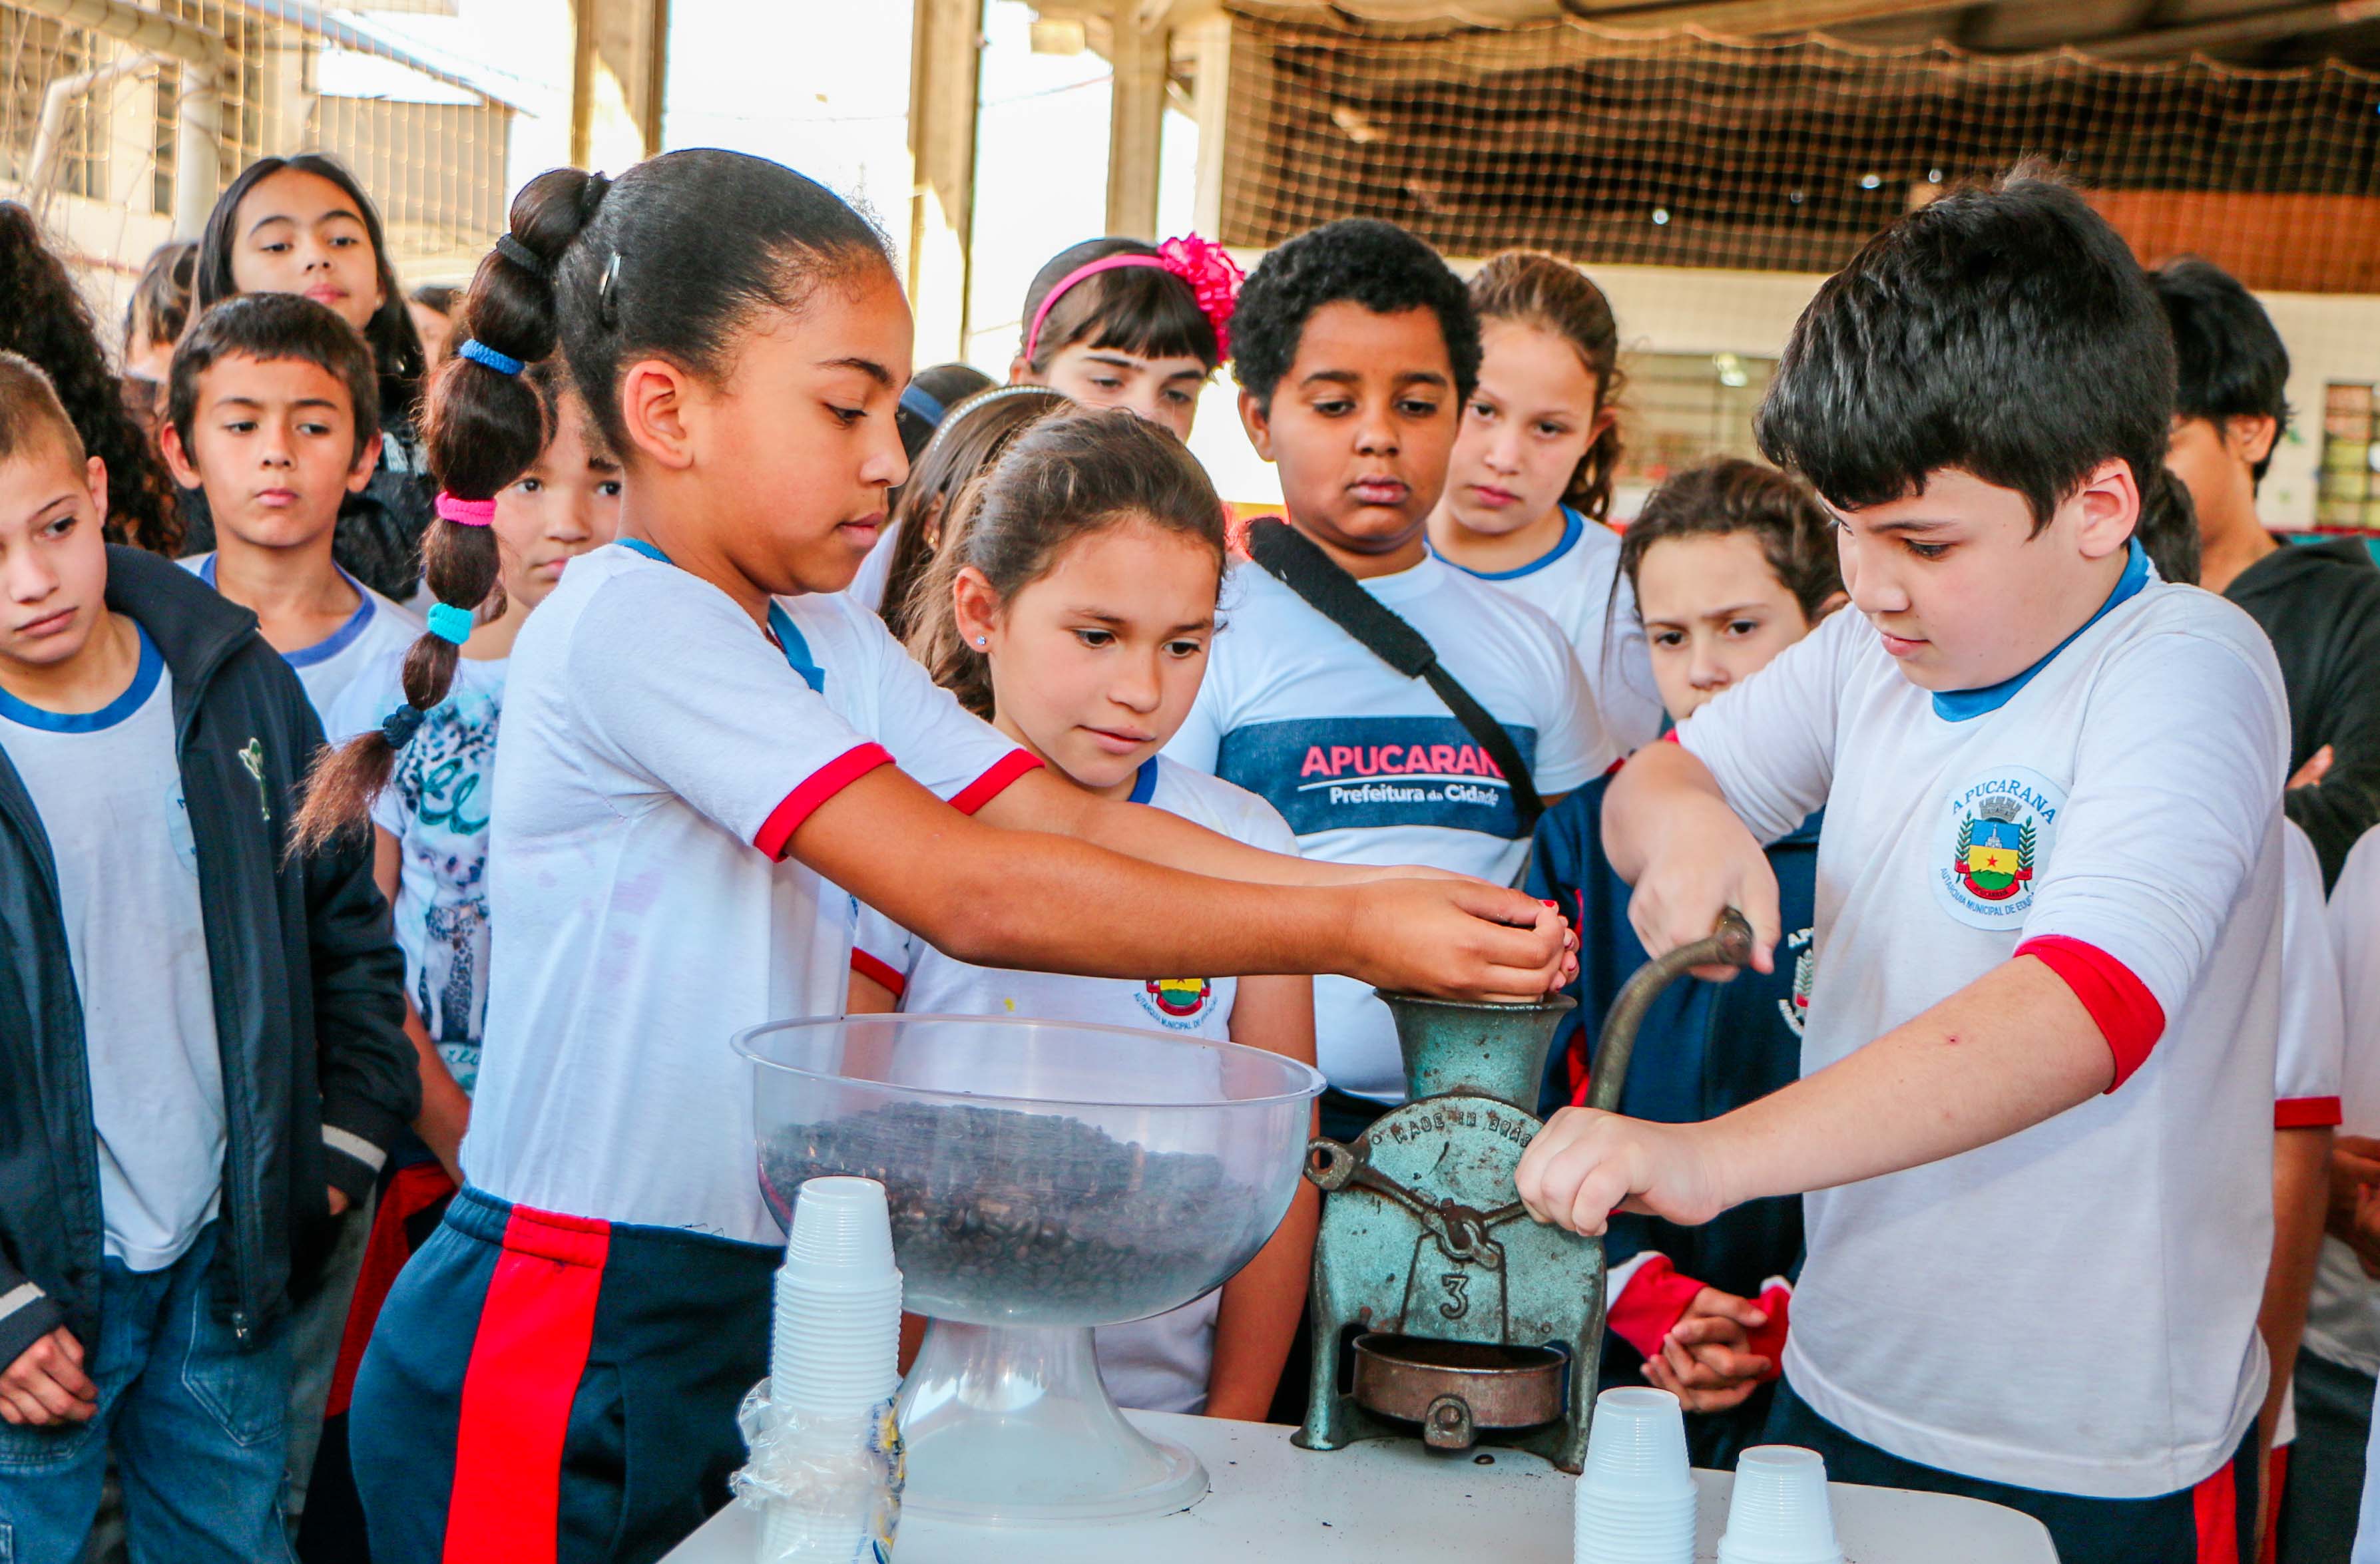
(978,640)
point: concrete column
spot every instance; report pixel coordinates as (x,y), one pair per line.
(1209,42)
(198,154)
(619,69)
(945,71)
(1136,121)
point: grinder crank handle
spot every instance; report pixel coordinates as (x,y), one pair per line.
(1460,1230)
(1729,944)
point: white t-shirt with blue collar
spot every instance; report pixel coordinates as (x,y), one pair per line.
(1161,1364)
(377,627)
(2065,1308)
(1369,767)
(107,785)
(658,755)
(1578,583)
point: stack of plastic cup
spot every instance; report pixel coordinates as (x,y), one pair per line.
(1780,1513)
(837,1345)
(834,1359)
(1635,1501)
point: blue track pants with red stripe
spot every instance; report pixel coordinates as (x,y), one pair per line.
(2213,1522)
(553,1389)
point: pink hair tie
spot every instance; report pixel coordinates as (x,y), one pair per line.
(1212,276)
(465,513)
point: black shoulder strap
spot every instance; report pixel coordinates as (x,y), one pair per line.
(1298,563)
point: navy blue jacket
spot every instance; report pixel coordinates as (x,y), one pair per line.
(319,1079)
(1703,1049)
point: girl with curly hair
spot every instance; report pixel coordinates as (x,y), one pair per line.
(44,317)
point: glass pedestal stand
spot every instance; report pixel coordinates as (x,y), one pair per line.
(1007,1426)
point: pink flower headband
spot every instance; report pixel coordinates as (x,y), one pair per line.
(1213,276)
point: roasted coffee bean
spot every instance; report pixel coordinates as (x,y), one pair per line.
(1028,1215)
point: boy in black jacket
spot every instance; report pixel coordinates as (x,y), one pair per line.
(2320,603)
(204,1036)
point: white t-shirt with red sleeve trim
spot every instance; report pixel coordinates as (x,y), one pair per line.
(657,754)
(2343,1326)
(2313,1022)
(1161,1364)
(2311,1049)
(2064,1309)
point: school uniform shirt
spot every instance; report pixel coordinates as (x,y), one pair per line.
(1369,767)
(376,628)
(1159,1365)
(436,807)
(867,588)
(1578,583)
(2343,1325)
(658,753)
(108,789)
(2066,1308)
(2312,1046)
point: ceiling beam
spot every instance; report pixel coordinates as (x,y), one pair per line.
(1745,19)
(2233,32)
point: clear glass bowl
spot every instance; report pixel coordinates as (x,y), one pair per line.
(1044,1178)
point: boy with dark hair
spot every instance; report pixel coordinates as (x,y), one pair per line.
(269,413)
(1356,346)
(188,1108)
(2320,602)
(2035,1104)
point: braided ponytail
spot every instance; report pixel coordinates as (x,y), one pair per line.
(492,410)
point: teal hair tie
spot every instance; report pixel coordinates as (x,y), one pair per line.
(450,623)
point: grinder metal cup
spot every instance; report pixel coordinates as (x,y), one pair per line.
(1472,1314)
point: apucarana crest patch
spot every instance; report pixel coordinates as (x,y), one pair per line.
(1991,845)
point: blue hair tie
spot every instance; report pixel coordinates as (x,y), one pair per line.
(479,353)
(920,401)
(399,726)
(450,623)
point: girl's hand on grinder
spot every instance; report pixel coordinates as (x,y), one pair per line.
(1458,940)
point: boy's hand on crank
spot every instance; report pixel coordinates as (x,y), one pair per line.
(1585,1165)
(1699,874)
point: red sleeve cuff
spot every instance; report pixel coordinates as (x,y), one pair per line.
(2127,1014)
(1651,1304)
(2306,1113)
(994,783)
(1768,1341)
(776,832)
(877,970)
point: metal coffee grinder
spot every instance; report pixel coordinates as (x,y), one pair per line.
(1478,1325)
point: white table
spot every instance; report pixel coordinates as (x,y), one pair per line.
(1390,1501)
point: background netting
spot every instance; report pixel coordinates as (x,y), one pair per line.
(430,148)
(1686,150)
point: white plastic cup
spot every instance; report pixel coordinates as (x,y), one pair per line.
(1637,1446)
(842,1234)
(836,1340)
(1780,1513)
(1634,1502)
(791,1534)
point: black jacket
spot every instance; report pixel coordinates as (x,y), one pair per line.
(2320,603)
(318,1076)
